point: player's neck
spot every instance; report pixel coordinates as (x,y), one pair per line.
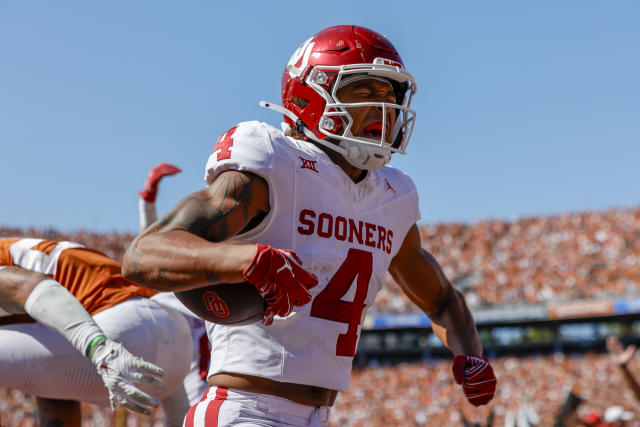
(352,172)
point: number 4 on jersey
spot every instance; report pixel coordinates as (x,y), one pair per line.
(329,305)
(224,144)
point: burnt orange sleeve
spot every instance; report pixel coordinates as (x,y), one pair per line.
(5,255)
(95,279)
(91,276)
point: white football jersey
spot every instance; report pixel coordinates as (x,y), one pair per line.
(346,234)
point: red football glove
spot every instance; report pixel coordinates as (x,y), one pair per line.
(477,378)
(282,282)
(153,178)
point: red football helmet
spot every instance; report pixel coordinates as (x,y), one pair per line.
(328,61)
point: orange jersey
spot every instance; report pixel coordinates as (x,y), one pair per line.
(92,277)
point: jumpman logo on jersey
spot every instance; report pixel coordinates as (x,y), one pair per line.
(388,186)
(308,164)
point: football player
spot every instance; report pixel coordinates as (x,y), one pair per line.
(89,323)
(313,217)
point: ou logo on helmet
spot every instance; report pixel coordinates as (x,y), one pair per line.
(300,58)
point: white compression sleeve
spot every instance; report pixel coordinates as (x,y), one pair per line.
(147,212)
(54,306)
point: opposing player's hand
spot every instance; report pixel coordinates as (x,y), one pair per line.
(280,279)
(120,370)
(476,376)
(154,176)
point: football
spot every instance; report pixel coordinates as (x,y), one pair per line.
(225,303)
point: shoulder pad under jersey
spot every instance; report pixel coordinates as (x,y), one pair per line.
(245,147)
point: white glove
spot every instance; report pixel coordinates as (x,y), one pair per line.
(120,370)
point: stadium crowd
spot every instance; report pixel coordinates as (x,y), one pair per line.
(423,393)
(537,259)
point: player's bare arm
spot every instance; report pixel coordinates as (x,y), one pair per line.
(15,286)
(421,278)
(187,248)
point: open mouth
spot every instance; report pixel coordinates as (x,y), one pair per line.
(373,130)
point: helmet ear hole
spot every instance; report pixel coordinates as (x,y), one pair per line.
(301,103)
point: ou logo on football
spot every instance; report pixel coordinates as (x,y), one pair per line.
(215,304)
(300,59)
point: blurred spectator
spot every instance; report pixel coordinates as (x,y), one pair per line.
(568,413)
(592,419)
(616,416)
(621,357)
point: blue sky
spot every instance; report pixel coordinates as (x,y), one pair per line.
(524,108)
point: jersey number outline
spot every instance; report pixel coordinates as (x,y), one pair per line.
(224,144)
(328,304)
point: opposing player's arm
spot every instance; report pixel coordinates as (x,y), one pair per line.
(188,247)
(16,285)
(421,278)
(48,302)
(147,202)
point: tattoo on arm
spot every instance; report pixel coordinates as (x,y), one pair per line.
(233,203)
(220,211)
(164,280)
(212,277)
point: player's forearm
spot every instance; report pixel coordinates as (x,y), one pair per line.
(176,260)
(455,327)
(15,286)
